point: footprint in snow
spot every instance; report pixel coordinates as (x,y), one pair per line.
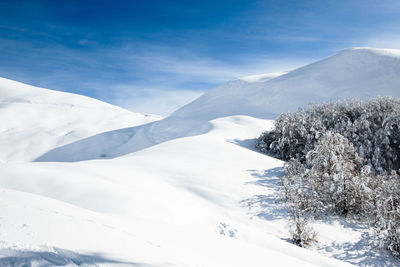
(226,230)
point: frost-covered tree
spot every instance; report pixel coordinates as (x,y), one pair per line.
(298,196)
(363,191)
(332,179)
(371,126)
(334,165)
(387,212)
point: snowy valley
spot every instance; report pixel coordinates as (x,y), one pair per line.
(85,183)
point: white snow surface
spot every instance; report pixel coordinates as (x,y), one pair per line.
(186,202)
(36,120)
(188,190)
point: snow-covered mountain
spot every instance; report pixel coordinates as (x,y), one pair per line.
(353,73)
(36,120)
(187,190)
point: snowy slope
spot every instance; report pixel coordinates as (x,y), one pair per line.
(353,73)
(187,190)
(185,202)
(35,120)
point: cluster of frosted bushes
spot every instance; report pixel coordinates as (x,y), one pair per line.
(371,126)
(342,158)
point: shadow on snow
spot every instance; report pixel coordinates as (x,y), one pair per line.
(361,252)
(56,257)
(265,205)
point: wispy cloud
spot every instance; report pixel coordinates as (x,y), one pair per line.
(173,79)
(153,100)
(383,41)
(189,66)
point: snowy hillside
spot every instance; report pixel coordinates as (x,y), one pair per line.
(188,190)
(35,120)
(196,201)
(353,73)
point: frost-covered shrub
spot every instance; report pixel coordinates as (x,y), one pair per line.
(387,212)
(331,181)
(371,126)
(334,165)
(297,194)
(363,189)
(302,233)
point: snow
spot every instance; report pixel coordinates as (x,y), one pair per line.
(188,190)
(353,73)
(166,203)
(35,120)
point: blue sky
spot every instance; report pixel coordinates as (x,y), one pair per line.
(153,56)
